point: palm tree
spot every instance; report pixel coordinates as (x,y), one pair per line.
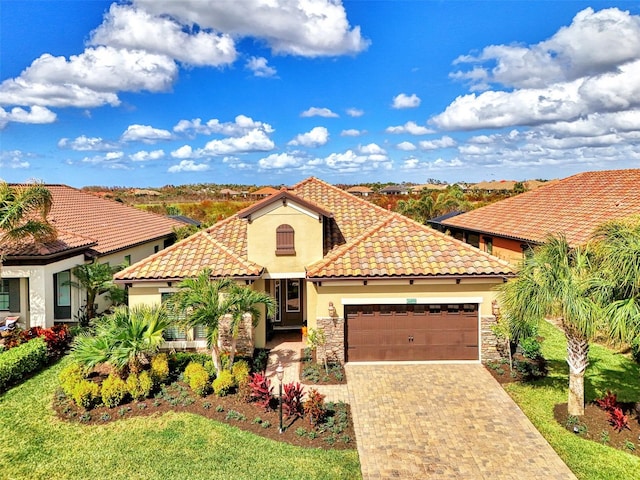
(244,301)
(23,212)
(617,248)
(125,340)
(203,303)
(431,204)
(97,279)
(557,281)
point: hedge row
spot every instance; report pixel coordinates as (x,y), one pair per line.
(22,360)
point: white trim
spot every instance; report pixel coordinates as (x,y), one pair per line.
(279,276)
(415,362)
(168,290)
(410,300)
(278,204)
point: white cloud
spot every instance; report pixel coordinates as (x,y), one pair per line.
(89,79)
(127,27)
(184,151)
(35,114)
(188,166)
(308,28)
(405,101)
(444,142)
(352,132)
(355,112)
(406,146)
(279,161)
(241,126)
(411,128)
(84,143)
(316,137)
(260,67)
(112,160)
(254,141)
(145,134)
(371,149)
(144,156)
(594,43)
(319,112)
(13,159)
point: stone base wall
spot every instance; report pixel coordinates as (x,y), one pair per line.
(333,349)
(491,346)
(244,342)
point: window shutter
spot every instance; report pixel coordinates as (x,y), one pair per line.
(285,240)
(14,294)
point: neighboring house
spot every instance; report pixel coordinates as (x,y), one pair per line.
(263,192)
(574,207)
(228,193)
(34,276)
(185,220)
(395,190)
(360,191)
(380,285)
(429,187)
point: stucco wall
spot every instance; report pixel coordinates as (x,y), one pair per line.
(261,236)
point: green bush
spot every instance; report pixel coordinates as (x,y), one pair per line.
(114,390)
(69,377)
(139,386)
(86,393)
(635,350)
(224,383)
(210,367)
(22,360)
(197,377)
(160,368)
(240,371)
(179,360)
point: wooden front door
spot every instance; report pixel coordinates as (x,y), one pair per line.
(288,294)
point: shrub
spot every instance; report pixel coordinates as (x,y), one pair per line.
(292,399)
(608,402)
(18,362)
(160,368)
(260,360)
(618,419)
(223,384)
(635,350)
(197,378)
(86,393)
(240,371)
(69,376)
(114,389)
(261,391)
(314,407)
(210,367)
(139,386)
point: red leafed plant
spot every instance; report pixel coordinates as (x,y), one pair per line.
(260,387)
(314,406)
(618,419)
(608,402)
(292,399)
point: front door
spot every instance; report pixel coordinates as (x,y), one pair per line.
(289,299)
(62,295)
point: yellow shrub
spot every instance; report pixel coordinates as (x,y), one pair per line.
(240,371)
(223,384)
(85,393)
(160,368)
(114,389)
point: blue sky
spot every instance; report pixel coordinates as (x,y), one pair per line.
(150,92)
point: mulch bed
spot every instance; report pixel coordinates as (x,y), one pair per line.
(322,377)
(218,408)
(594,425)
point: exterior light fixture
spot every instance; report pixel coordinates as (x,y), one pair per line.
(280,376)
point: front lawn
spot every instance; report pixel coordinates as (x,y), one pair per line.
(36,444)
(607,371)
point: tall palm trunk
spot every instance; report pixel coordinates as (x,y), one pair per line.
(578,359)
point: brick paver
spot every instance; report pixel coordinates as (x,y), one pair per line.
(442,421)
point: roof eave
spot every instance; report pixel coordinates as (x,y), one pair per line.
(414,277)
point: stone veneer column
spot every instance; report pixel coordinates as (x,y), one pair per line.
(333,349)
(489,341)
(244,343)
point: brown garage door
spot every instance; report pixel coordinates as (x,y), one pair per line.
(412,332)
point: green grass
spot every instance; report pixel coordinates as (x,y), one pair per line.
(37,445)
(607,370)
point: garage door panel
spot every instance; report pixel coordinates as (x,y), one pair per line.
(384,334)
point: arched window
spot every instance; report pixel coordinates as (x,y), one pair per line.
(285,240)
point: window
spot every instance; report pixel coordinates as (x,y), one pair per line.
(63,288)
(435,309)
(127,259)
(293,295)
(488,245)
(4,295)
(473,239)
(285,240)
(156,248)
(174,332)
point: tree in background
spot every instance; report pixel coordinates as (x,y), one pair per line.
(434,204)
(96,279)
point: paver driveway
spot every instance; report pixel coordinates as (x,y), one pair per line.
(442,421)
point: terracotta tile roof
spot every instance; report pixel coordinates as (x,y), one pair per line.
(352,214)
(359,189)
(108,225)
(265,191)
(399,247)
(65,241)
(573,206)
(368,241)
